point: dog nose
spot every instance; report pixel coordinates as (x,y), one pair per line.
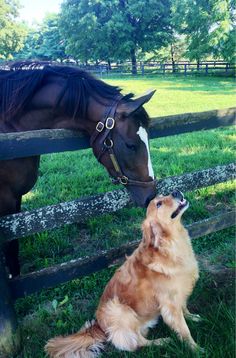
(177,195)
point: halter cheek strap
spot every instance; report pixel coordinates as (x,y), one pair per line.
(103,136)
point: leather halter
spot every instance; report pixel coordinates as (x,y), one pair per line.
(103,135)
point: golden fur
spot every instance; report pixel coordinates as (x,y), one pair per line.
(156,279)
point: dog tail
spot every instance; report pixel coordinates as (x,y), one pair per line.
(88,342)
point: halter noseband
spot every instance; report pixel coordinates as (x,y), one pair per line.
(103,135)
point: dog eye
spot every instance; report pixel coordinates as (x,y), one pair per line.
(159,204)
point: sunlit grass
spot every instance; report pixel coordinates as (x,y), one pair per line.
(179,94)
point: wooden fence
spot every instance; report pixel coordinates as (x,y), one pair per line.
(154,67)
(16,145)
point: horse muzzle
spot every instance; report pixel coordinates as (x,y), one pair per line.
(142,192)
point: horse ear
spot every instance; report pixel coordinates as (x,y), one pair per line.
(126,108)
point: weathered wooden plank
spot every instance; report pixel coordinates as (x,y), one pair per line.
(52,276)
(190,122)
(43,141)
(51,217)
(198,179)
(25,144)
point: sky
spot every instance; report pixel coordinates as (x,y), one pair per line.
(35,10)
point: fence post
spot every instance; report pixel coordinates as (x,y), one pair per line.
(206,68)
(9,333)
(164,68)
(142,68)
(185,69)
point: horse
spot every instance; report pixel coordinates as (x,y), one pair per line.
(36,95)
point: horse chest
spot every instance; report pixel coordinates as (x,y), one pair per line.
(19,174)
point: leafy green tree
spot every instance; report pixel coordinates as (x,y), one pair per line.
(83,25)
(115,29)
(227,45)
(31,45)
(44,42)
(52,45)
(208,26)
(223,34)
(173,52)
(12,32)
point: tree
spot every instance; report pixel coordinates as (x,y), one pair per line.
(115,29)
(52,44)
(12,32)
(207,25)
(44,42)
(223,35)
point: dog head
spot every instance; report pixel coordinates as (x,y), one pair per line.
(163,217)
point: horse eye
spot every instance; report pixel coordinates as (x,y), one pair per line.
(131,147)
(159,204)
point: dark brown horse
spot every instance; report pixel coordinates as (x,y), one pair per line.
(37,96)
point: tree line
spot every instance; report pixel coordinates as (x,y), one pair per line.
(120,30)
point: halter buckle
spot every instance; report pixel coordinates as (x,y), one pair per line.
(110,123)
(100,127)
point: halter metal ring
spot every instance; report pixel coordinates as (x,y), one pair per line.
(123,180)
(108,143)
(110,123)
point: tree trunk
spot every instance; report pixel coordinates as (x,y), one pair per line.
(109,64)
(198,65)
(172,57)
(133,61)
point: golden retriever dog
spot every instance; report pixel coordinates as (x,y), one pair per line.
(156,279)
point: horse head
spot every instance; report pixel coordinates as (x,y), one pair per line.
(43,96)
(120,143)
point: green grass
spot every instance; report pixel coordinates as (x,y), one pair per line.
(179,94)
(67,176)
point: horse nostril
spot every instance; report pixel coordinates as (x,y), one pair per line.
(177,194)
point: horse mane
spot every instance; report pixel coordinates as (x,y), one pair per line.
(20,81)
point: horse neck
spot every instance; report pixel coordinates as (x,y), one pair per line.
(96,111)
(49,118)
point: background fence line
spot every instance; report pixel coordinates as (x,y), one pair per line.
(155,67)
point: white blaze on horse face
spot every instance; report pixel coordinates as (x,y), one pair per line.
(144,137)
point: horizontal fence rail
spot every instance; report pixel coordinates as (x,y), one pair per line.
(66,271)
(54,216)
(25,144)
(155,67)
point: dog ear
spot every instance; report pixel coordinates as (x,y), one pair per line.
(152,233)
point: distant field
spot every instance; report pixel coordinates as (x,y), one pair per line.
(67,176)
(179,94)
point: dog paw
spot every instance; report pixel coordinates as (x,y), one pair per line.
(199,349)
(194,317)
(162,341)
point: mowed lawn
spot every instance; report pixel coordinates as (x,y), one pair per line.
(179,94)
(67,176)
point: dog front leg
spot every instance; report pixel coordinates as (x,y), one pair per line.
(174,318)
